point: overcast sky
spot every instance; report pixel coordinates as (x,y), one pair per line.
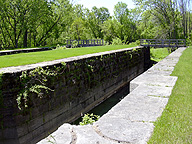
(104,3)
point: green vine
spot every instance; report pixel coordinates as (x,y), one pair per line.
(36,82)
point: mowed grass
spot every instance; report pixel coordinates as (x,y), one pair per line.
(175,124)
(158,54)
(36,57)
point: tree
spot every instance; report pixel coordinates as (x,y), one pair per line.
(111,29)
(29,22)
(128,26)
(78,29)
(57,19)
(185,8)
(169,16)
(94,20)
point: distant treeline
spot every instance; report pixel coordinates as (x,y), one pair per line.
(32,23)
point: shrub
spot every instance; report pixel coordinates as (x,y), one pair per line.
(89,119)
(60,47)
(117,41)
(106,43)
(189,41)
(74,44)
(137,42)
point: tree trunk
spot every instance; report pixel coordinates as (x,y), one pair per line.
(25,39)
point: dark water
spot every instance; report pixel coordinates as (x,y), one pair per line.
(106,105)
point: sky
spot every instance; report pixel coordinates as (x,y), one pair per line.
(104,3)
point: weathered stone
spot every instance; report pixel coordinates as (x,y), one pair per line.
(149,90)
(138,108)
(123,130)
(22,130)
(61,136)
(155,80)
(133,86)
(87,135)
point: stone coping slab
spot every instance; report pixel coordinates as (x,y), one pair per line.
(131,120)
(150,79)
(138,108)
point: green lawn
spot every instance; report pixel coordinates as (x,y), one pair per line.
(175,124)
(35,57)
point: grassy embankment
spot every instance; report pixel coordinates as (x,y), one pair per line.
(175,124)
(36,57)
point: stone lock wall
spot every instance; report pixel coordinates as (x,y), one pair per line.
(75,85)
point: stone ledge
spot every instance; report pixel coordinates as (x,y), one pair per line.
(131,120)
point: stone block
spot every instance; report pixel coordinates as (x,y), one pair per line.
(87,135)
(9,141)
(150,90)
(138,108)
(26,138)
(49,127)
(22,130)
(155,80)
(35,123)
(38,131)
(124,130)
(10,133)
(61,136)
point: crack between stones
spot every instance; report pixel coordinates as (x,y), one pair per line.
(151,84)
(95,128)
(142,121)
(74,137)
(158,96)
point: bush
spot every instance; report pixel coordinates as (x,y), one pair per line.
(60,47)
(137,42)
(89,119)
(189,41)
(106,43)
(117,41)
(74,44)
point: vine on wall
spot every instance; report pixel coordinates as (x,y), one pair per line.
(81,76)
(36,82)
